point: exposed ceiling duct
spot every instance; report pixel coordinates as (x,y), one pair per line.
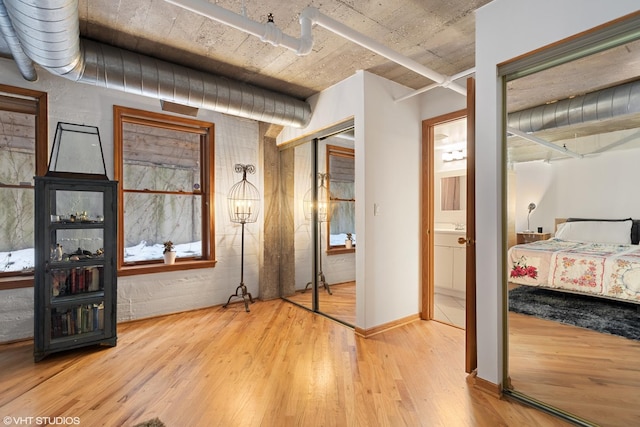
(595,106)
(25,65)
(48,31)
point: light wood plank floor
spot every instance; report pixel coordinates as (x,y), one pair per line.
(593,375)
(278,365)
(341,304)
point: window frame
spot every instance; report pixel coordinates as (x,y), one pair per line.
(346,152)
(122,115)
(27,101)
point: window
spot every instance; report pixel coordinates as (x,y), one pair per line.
(341,186)
(23,154)
(164,165)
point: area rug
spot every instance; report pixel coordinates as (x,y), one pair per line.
(602,315)
(155,422)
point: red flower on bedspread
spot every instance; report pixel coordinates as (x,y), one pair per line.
(521,269)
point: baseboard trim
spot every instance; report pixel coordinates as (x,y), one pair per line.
(485,386)
(366,333)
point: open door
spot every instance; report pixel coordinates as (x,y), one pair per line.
(471,358)
(432,252)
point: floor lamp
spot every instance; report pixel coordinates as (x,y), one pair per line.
(323,216)
(243,205)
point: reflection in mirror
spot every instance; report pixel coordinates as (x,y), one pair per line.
(342,222)
(554,282)
(450,193)
(336,269)
(297,240)
(336,155)
(449,214)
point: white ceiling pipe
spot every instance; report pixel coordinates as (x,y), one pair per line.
(544,143)
(622,141)
(350,34)
(435,85)
(268,32)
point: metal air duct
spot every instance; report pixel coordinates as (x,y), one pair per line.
(25,66)
(599,105)
(49,33)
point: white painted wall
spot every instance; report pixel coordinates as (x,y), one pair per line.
(603,186)
(140,296)
(391,171)
(387,146)
(506,29)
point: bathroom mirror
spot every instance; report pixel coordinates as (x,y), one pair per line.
(452,191)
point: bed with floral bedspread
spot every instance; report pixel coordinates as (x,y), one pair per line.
(600,269)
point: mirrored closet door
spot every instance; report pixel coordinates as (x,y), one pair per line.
(572,260)
(318,199)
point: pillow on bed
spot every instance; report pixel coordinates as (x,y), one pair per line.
(618,232)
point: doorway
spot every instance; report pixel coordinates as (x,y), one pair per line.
(449,164)
(466,239)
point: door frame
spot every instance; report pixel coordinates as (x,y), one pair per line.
(427,223)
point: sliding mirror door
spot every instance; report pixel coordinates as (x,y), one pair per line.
(338,240)
(296,178)
(573,287)
(318,224)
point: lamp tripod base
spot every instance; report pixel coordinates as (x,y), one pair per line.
(321,282)
(241,292)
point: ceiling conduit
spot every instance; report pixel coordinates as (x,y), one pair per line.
(269,33)
(25,65)
(599,105)
(48,31)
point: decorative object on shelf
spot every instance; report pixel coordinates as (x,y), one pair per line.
(317,202)
(531,207)
(77,153)
(243,206)
(169,253)
(348,243)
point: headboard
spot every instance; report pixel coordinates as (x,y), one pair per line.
(635,225)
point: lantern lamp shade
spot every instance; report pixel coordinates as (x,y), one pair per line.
(243,199)
(324,201)
(77,150)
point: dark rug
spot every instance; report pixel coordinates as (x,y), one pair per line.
(155,422)
(602,315)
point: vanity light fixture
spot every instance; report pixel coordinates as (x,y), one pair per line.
(453,155)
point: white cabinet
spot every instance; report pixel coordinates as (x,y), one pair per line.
(449,262)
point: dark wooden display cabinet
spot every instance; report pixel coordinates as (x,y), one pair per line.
(75,269)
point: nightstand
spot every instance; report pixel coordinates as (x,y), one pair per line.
(528,237)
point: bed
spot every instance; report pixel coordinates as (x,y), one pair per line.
(588,256)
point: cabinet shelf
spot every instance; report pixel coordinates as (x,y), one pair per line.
(75,299)
(69,300)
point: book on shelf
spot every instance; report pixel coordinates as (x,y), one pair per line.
(77,320)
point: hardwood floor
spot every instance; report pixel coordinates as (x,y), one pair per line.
(278,365)
(341,304)
(593,375)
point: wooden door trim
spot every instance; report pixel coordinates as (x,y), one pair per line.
(427,209)
(427,223)
(471,353)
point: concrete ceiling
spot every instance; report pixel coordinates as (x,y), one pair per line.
(438,34)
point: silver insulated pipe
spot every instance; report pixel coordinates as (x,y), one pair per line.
(49,33)
(599,105)
(25,65)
